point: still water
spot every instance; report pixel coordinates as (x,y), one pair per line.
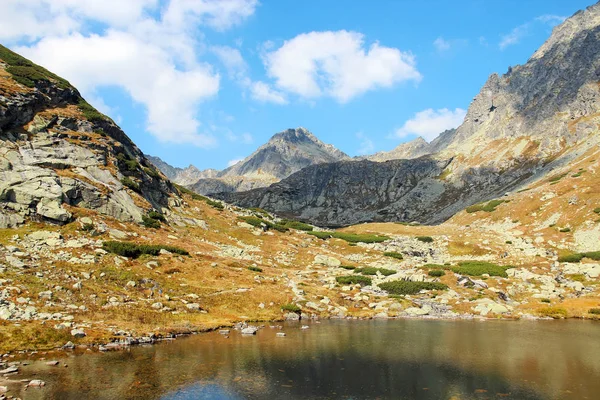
(400,359)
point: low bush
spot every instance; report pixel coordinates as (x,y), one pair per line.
(134,250)
(595,311)
(290,307)
(151,172)
(130,183)
(436,273)
(255,269)
(553,312)
(545,300)
(90,113)
(300,226)
(157,216)
(597,210)
(260,211)
(150,222)
(409,287)
(374,271)
(434,266)
(261,223)
(320,235)
(349,267)
(478,268)
(557,178)
(215,204)
(487,207)
(425,239)
(351,237)
(353,279)
(564,230)
(577,257)
(393,254)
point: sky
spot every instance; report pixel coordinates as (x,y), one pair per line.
(206,82)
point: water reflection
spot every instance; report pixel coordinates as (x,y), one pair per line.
(348,360)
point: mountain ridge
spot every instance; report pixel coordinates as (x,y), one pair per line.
(545,113)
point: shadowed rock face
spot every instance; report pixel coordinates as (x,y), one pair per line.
(521,125)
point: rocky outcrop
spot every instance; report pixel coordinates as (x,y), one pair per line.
(53,154)
(520,127)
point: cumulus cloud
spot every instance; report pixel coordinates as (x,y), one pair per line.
(261,91)
(522,31)
(336,64)
(146,47)
(430,123)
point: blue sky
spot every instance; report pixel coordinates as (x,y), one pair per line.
(206,82)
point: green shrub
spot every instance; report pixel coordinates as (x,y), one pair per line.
(434,266)
(578,174)
(595,311)
(134,250)
(87,227)
(215,204)
(554,312)
(255,269)
(320,235)
(349,267)
(409,287)
(150,222)
(260,211)
(90,113)
(436,273)
(130,183)
(545,300)
(564,230)
(425,239)
(478,268)
(509,242)
(593,255)
(557,178)
(487,207)
(300,226)
(157,216)
(353,279)
(360,238)
(597,210)
(393,254)
(151,172)
(259,222)
(290,307)
(374,271)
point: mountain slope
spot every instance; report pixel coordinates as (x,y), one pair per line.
(57,152)
(522,125)
(285,153)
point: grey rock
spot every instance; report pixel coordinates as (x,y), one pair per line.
(78,333)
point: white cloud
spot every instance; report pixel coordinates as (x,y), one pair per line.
(144,70)
(366,145)
(441,44)
(232,60)
(261,91)
(219,14)
(430,123)
(521,31)
(231,163)
(149,48)
(337,64)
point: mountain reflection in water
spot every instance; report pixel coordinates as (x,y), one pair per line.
(405,359)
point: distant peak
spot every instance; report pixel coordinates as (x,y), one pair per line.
(294,135)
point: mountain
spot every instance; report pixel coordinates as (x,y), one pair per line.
(285,153)
(182,176)
(535,118)
(58,153)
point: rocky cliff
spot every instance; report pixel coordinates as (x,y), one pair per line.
(522,125)
(57,153)
(285,153)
